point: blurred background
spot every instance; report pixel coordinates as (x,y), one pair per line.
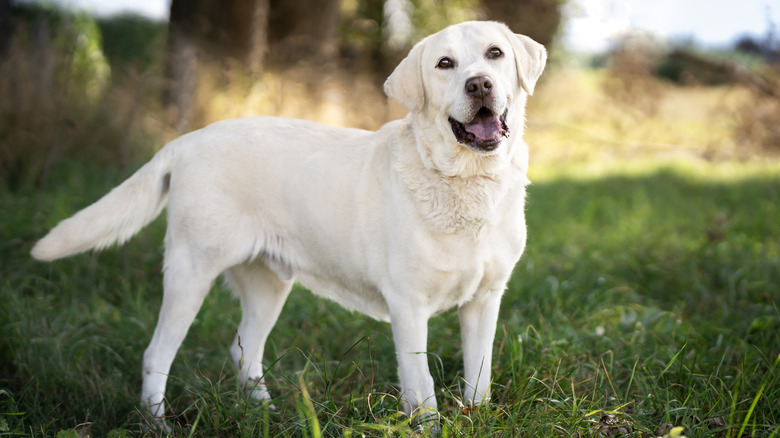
(112,81)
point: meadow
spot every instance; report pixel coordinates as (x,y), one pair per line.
(647,298)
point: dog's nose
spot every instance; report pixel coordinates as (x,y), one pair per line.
(479,86)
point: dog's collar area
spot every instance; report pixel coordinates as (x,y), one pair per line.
(484,132)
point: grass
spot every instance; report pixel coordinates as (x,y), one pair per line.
(648,292)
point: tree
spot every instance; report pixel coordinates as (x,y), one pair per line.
(6,26)
(304,30)
(539,19)
(228,33)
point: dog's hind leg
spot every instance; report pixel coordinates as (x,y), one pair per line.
(186,284)
(262,295)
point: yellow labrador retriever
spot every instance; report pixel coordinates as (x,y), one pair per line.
(423,215)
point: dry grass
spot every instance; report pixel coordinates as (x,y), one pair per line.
(337,98)
(575,115)
(574,118)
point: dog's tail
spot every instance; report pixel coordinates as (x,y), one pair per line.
(115,217)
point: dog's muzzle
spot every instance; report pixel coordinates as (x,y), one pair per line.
(484,132)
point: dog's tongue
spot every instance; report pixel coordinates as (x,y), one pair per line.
(484,126)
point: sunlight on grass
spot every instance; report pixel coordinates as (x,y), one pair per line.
(725,172)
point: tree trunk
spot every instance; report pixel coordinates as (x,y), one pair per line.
(539,19)
(227,33)
(304,30)
(6,26)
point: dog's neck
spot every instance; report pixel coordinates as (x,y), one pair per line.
(466,202)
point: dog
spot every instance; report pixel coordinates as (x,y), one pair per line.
(421,216)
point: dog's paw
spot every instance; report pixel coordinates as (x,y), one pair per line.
(259,394)
(426,421)
(158,427)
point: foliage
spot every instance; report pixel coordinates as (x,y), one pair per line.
(132,40)
(52,78)
(74,39)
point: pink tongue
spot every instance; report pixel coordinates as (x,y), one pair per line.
(484,127)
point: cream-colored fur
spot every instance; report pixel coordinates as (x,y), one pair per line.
(399,224)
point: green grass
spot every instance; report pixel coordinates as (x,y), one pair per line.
(649,292)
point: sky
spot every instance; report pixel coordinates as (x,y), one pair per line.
(591,23)
(714,23)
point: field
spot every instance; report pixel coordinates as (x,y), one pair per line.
(647,297)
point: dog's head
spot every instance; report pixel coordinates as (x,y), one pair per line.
(468,84)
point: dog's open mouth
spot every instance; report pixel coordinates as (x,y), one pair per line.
(484,132)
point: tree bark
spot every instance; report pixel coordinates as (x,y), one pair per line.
(227,33)
(304,30)
(539,19)
(6,26)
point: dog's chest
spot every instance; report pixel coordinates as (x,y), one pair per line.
(455,205)
(451,270)
(472,233)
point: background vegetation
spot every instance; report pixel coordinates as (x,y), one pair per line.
(647,298)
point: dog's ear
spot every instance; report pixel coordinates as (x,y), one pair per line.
(530,57)
(405,84)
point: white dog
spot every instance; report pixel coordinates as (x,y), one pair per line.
(423,215)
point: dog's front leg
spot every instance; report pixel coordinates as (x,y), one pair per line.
(477,329)
(410,334)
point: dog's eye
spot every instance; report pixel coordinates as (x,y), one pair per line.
(445,63)
(494,53)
